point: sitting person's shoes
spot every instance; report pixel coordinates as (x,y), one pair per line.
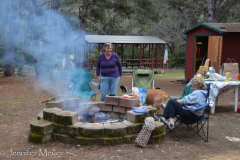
(167,123)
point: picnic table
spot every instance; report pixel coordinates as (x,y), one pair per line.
(132,62)
(220,87)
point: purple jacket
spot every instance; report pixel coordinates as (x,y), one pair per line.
(109,67)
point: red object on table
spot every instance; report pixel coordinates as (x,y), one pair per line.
(238,77)
(238,110)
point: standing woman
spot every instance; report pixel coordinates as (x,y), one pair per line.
(108,71)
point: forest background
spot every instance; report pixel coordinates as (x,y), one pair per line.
(38,34)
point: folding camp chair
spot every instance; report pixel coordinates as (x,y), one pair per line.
(199,127)
(141,78)
(186,91)
(81,80)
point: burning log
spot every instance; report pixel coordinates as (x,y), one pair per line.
(52,99)
(100,117)
(49,100)
(92,114)
(91,111)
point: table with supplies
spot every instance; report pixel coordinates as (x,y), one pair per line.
(219,87)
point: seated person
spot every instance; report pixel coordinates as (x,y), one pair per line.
(192,101)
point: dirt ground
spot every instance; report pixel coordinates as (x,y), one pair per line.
(21,100)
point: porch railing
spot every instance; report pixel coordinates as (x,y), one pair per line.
(151,63)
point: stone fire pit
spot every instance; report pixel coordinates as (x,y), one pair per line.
(57,123)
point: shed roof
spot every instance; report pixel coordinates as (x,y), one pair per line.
(218,27)
(123,39)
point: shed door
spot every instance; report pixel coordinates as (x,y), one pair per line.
(215,51)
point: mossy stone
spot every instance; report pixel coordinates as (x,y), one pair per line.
(39,138)
(65,117)
(115,130)
(48,113)
(133,128)
(74,130)
(159,128)
(60,129)
(41,127)
(130,138)
(151,111)
(157,138)
(111,141)
(91,130)
(140,118)
(64,138)
(87,140)
(104,141)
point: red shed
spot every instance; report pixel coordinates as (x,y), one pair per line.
(214,41)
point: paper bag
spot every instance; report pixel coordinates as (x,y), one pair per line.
(232,67)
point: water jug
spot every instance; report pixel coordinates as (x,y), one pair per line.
(211,72)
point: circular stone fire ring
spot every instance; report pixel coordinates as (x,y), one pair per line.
(57,124)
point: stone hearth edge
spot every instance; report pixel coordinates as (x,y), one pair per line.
(55,123)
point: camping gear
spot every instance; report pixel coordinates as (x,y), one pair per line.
(81,79)
(145,133)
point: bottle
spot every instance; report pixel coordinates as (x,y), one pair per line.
(227,78)
(211,72)
(199,76)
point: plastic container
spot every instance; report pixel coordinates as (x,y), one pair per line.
(227,79)
(211,72)
(218,77)
(221,70)
(142,96)
(135,91)
(203,68)
(199,76)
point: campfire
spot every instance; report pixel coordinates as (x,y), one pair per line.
(92,114)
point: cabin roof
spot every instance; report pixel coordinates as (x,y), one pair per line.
(218,27)
(123,39)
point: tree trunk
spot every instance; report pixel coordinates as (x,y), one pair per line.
(21,62)
(210,11)
(213,10)
(9,44)
(84,14)
(9,57)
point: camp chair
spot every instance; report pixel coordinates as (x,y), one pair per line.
(141,78)
(81,80)
(199,127)
(186,91)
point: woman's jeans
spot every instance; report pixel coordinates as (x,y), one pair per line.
(108,84)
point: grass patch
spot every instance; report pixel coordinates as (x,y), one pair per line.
(179,74)
(13,100)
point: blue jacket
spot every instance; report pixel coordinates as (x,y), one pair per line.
(195,100)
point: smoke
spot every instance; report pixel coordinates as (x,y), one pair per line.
(43,36)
